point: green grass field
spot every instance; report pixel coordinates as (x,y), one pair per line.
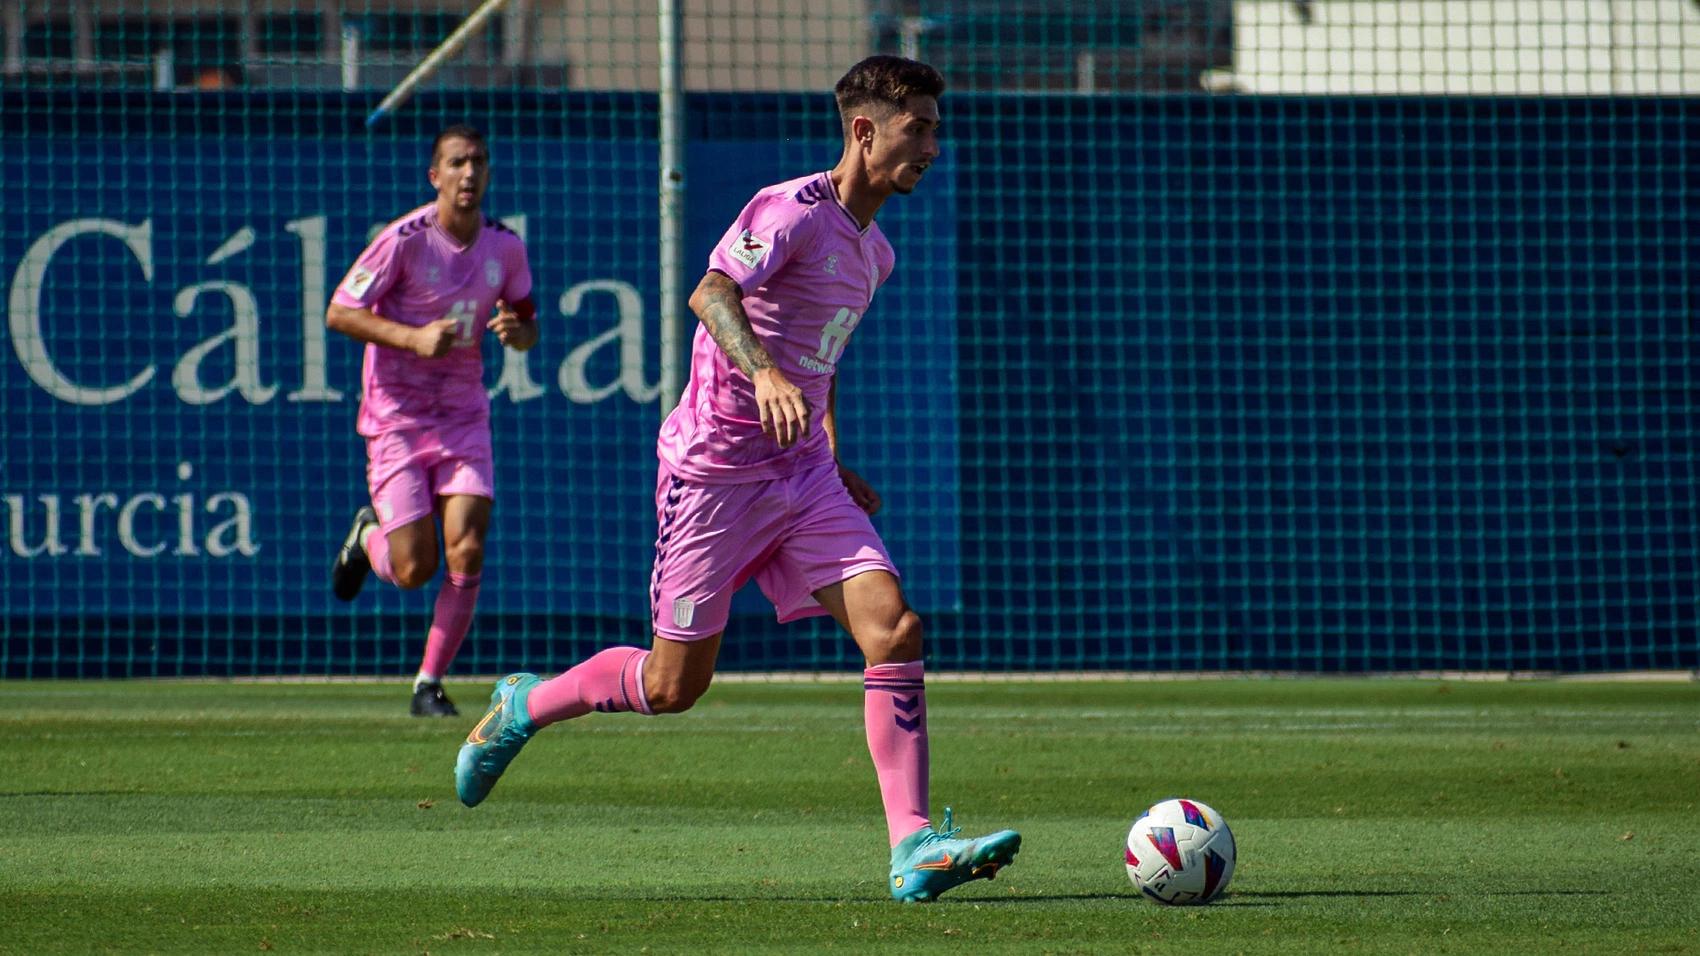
(1371,816)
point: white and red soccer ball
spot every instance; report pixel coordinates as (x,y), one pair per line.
(1180,852)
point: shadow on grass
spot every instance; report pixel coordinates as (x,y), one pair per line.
(1261,899)
(1300,894)
(69,793)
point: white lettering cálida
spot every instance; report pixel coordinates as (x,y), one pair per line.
(43,287)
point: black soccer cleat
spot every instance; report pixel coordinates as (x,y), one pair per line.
(349,572)
(430,701)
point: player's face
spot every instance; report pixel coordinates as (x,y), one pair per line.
(461,172)
(905,144)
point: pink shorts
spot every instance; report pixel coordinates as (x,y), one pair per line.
(407,471)
(793,535)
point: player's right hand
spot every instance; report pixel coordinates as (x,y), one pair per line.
(435,340)
(784,410)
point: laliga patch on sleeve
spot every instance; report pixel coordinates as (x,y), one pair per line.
(358,281)
(750,249)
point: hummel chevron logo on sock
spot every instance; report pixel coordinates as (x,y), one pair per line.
(908,706)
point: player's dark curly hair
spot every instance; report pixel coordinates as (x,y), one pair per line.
(886,80)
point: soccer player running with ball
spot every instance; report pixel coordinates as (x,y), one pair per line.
(750,484)
(421,297)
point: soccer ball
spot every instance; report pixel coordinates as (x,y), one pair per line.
(1180,851)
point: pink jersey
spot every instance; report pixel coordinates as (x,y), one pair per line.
(416,273)
(808,272)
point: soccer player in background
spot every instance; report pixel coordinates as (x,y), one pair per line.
(750,484)
(420,297)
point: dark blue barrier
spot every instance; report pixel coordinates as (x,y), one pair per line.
(1164,383)
(1335,383)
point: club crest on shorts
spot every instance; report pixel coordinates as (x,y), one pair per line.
(684,611)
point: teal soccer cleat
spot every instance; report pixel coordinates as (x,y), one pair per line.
(928,862)
(493,744)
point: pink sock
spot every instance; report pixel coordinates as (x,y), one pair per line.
(377,545)
(894,709)
(608,682)
(450,621)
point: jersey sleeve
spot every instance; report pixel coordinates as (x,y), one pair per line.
(767,234)
(374,273)
(518,269)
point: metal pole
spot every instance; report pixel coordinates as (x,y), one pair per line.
(672,195)
(444,52)
(909,31)
(1085,71)
(13,17)
(516,39)
(164,69)
(1612,20)
(82,36)
(350,57)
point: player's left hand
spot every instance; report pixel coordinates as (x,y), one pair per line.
(861,492)
(511,330)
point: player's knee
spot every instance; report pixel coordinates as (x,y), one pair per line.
(675,696)
(412,571)
(466,556)
(898,644)
(907,637)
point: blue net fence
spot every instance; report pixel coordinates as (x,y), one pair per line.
(1187,364)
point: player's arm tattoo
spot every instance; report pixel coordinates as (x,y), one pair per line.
(718,303)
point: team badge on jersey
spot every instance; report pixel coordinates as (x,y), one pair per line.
(749,248)
(492,273)
(359,281)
